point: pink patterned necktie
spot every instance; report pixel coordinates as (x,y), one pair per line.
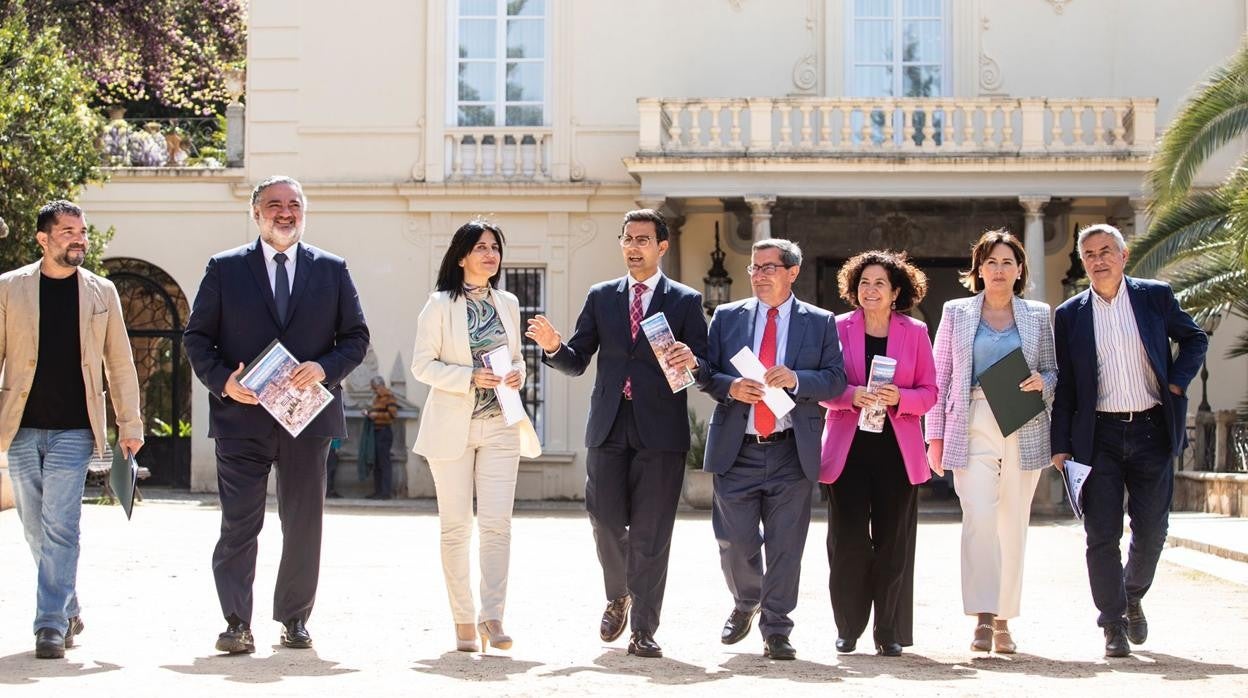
(764,418)
(634,323)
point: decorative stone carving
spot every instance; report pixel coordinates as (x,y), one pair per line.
(583,233)
(1059,6)
(736,4)
(806,73)
(893,231)
(990,79)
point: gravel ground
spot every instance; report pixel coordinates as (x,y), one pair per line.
(382,625)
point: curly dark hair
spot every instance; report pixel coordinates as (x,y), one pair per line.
(902,275)
(982,249)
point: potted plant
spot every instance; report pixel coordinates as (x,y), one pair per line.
(698,491)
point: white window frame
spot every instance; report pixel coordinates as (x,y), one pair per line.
(500,60)
(898,65)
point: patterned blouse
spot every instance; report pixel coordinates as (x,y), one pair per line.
(485,334)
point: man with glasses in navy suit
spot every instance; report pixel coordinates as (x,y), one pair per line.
(638,430)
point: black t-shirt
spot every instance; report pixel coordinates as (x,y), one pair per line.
(58,399)
(877,346)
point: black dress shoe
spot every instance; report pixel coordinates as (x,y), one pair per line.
(642,644)
(738,626)
(888,649)
(236,639)
(845,646)
(615,619)
(778,647)
(76,626)
(49,643)
(295,635)
(1116,642)
(1137,624)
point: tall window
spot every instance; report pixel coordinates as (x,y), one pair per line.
(500,63)
(529,285)
(898,48)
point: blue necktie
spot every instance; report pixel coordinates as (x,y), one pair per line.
(281,286)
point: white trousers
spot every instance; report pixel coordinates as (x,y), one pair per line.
(489,464)
(996,509)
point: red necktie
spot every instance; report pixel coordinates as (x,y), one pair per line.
(764,418)
(634,323)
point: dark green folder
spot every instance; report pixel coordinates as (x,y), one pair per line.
(123,478)
(1012,407)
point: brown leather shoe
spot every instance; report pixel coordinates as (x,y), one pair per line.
(615,619)
(1137,624)
(76,626)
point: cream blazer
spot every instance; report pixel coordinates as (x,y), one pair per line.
(442,360)
(102,336)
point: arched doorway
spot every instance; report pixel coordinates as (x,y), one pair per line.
(155,310)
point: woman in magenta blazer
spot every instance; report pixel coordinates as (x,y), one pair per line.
(871,478)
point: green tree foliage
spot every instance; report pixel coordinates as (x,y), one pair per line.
(174,53)
(47,136)
(1198,240)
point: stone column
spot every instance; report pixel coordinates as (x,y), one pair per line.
(760,215)
(1139,207)
(1033,241)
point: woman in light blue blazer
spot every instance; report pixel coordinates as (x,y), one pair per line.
(995,475)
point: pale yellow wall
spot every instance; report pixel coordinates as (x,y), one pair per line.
(343,97)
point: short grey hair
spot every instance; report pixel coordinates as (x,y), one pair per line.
(790,253)
(278,179)
(1101,228)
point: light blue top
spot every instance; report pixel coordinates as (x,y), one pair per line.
(991,346)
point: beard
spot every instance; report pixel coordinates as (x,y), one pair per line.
(71,257)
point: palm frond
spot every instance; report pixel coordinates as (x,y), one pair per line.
(1214,115)
(1181,225)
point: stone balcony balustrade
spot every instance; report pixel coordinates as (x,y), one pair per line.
(858,127)
(503,153)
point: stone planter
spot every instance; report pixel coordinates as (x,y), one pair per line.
(698,491)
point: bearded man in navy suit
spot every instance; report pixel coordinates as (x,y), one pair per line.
(638,430)
(277,287)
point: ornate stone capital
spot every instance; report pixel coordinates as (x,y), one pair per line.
(1033,205)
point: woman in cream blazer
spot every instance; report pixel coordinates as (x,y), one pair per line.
(995,475)
(463,433)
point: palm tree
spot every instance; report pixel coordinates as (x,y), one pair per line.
(1198,239)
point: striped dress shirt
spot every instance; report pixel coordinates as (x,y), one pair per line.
(1124,379)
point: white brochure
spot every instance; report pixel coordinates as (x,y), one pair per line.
(509,400)
(1073,476)
(748,365)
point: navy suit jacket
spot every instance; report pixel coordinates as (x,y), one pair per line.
(234,318)
(1160,320)
(603,328)
(812,351)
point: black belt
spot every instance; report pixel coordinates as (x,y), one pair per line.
(1129,416)
(775,437)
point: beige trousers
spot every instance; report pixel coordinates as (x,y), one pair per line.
(996,509)
(489,464)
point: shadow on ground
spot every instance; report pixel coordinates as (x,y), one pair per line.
(247,668)
(663,671)
(23,668)
(471,666)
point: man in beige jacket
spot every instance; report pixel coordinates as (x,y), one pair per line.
(58,325)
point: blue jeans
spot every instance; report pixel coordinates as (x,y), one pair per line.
(49,469)
(1131,458)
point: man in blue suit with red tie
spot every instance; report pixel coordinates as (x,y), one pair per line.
(638,430)
(1120,406)
(277,287)
(765,464)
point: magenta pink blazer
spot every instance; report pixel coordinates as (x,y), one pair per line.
(915,379)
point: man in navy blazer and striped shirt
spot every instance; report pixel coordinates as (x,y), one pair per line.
(1121,407)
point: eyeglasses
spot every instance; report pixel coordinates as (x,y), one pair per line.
(639,241)
(766,269)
